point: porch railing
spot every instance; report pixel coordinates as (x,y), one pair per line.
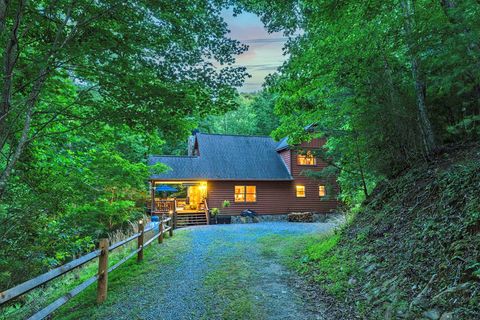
(164,206)
(207,213)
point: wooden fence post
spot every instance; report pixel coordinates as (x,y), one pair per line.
(160,230)
(172,223)
(174,220)
(140,238)
(102,271)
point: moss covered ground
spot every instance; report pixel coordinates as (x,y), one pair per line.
(413,251)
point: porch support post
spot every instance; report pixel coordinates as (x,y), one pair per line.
(152,196)
(175,214)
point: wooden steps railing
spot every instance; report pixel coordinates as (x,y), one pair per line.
(165,225)
(207,213)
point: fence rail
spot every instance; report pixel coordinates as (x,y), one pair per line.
(165,225)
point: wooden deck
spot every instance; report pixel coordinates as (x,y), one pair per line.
(190,211)
(183,217)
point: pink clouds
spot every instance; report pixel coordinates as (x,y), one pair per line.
(265,52)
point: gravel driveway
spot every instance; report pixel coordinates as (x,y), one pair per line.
(224,272)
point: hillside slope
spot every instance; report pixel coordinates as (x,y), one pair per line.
(413,252)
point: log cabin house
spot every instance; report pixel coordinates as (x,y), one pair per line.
(246,172)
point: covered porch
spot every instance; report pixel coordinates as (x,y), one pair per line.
(187,200)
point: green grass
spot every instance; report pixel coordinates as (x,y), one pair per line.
(314,256)
(125,277)
(333,268)
(124,281)
(232,282)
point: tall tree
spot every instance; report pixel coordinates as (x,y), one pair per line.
(253,116)
(426,130)
(144,63)
(386,81)
(88,89)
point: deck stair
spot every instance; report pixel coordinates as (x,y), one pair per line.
(191,219)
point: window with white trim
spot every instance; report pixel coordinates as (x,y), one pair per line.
(300,191)
(322,191)
(245,194)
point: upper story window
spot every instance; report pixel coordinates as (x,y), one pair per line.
(245,193)
(307,159)
(322,191)
(300,191)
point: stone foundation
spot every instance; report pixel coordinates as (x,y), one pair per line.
(317,217)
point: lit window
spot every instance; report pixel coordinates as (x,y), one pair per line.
(300,190)
(239,193)
(245,193)
(251,194)
(306,159)
(322,192)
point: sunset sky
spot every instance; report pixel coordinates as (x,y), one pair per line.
(265,50)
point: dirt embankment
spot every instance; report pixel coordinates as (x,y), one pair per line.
(416,244)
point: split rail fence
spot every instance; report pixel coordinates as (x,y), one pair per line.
(165,225)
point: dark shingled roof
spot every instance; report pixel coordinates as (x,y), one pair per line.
(282,144)
(226,157)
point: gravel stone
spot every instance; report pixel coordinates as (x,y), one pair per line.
(177,291)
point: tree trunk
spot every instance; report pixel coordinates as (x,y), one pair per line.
(46,67)
(31,103)
(428,137)
(425,126)
(10,58)
(448,4)
(360,167)
(3,14)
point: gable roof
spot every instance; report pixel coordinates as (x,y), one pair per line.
(282,144)
(226,157)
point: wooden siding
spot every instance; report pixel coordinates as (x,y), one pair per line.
(278,197)
(311,185)
(314,143)
(273,197)
(287,159)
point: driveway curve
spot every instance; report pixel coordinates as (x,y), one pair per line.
(217,272)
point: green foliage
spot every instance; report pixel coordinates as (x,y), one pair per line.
(467,126)
(121,282)
(215,211)
(253,116)
(316,257)
(422,225)
(354,69)
(319,250)
(331,268)
(63,199)
(226,203)
(96,87)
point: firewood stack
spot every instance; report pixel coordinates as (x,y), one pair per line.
(300,217)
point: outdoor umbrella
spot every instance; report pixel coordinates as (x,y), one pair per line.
(165,188)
